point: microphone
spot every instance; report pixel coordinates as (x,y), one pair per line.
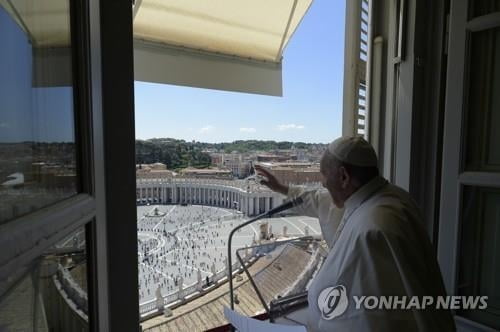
(285,206)
(288,205)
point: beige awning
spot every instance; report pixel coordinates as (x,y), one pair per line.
(46,23)
(255,29)
(234,45)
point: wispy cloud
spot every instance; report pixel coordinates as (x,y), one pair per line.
(290,126)
(4,124)
(207,129)
(248,130)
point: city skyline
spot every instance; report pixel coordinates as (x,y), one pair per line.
(227,142)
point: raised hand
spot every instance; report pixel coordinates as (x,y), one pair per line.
(270,180)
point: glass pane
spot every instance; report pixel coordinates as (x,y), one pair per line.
(483,118)
(37,138)
(51,295)
(483,7)
(479,265)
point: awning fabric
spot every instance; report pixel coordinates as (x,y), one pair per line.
(46,23)
(256,29)
(234,45)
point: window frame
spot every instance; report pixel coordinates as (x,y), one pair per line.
(43,228)
(102,56)
(114,258)
(48,225)
(454,176)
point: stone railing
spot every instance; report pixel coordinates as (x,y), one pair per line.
(149,308)
(241,185)
(72,291)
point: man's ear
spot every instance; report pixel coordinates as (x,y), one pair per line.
(345,178)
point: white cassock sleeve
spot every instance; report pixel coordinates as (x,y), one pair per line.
(372,270)
(318,204)
(389,259)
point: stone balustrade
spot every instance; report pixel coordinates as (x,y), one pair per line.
(245,196)
(72,291)
(149,309)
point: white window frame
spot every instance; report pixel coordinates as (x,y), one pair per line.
(453,178)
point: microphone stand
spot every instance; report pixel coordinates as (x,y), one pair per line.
(229,259)
(267,214)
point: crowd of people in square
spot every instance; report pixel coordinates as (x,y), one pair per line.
(181,245)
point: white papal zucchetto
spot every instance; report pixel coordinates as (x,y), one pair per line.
(353,150)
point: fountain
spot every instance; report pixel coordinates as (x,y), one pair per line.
(156,213)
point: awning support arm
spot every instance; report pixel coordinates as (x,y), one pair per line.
(292,12)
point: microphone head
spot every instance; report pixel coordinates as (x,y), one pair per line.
(298,200)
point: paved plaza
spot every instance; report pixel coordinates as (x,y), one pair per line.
(181,244)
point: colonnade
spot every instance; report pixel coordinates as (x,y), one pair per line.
(212,193)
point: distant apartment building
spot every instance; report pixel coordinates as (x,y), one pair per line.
(301,154)
(51,175)
(212,173)
(154,166)
(155,170)
(216,159)
(294,172)
(151,173)
(239,169)
(237,163)
(275,157)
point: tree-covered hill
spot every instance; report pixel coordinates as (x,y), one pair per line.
(179,153)
(174,153)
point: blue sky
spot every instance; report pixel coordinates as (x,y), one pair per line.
(27,113)
(309,111)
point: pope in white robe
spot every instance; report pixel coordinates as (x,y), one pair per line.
(378,248)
